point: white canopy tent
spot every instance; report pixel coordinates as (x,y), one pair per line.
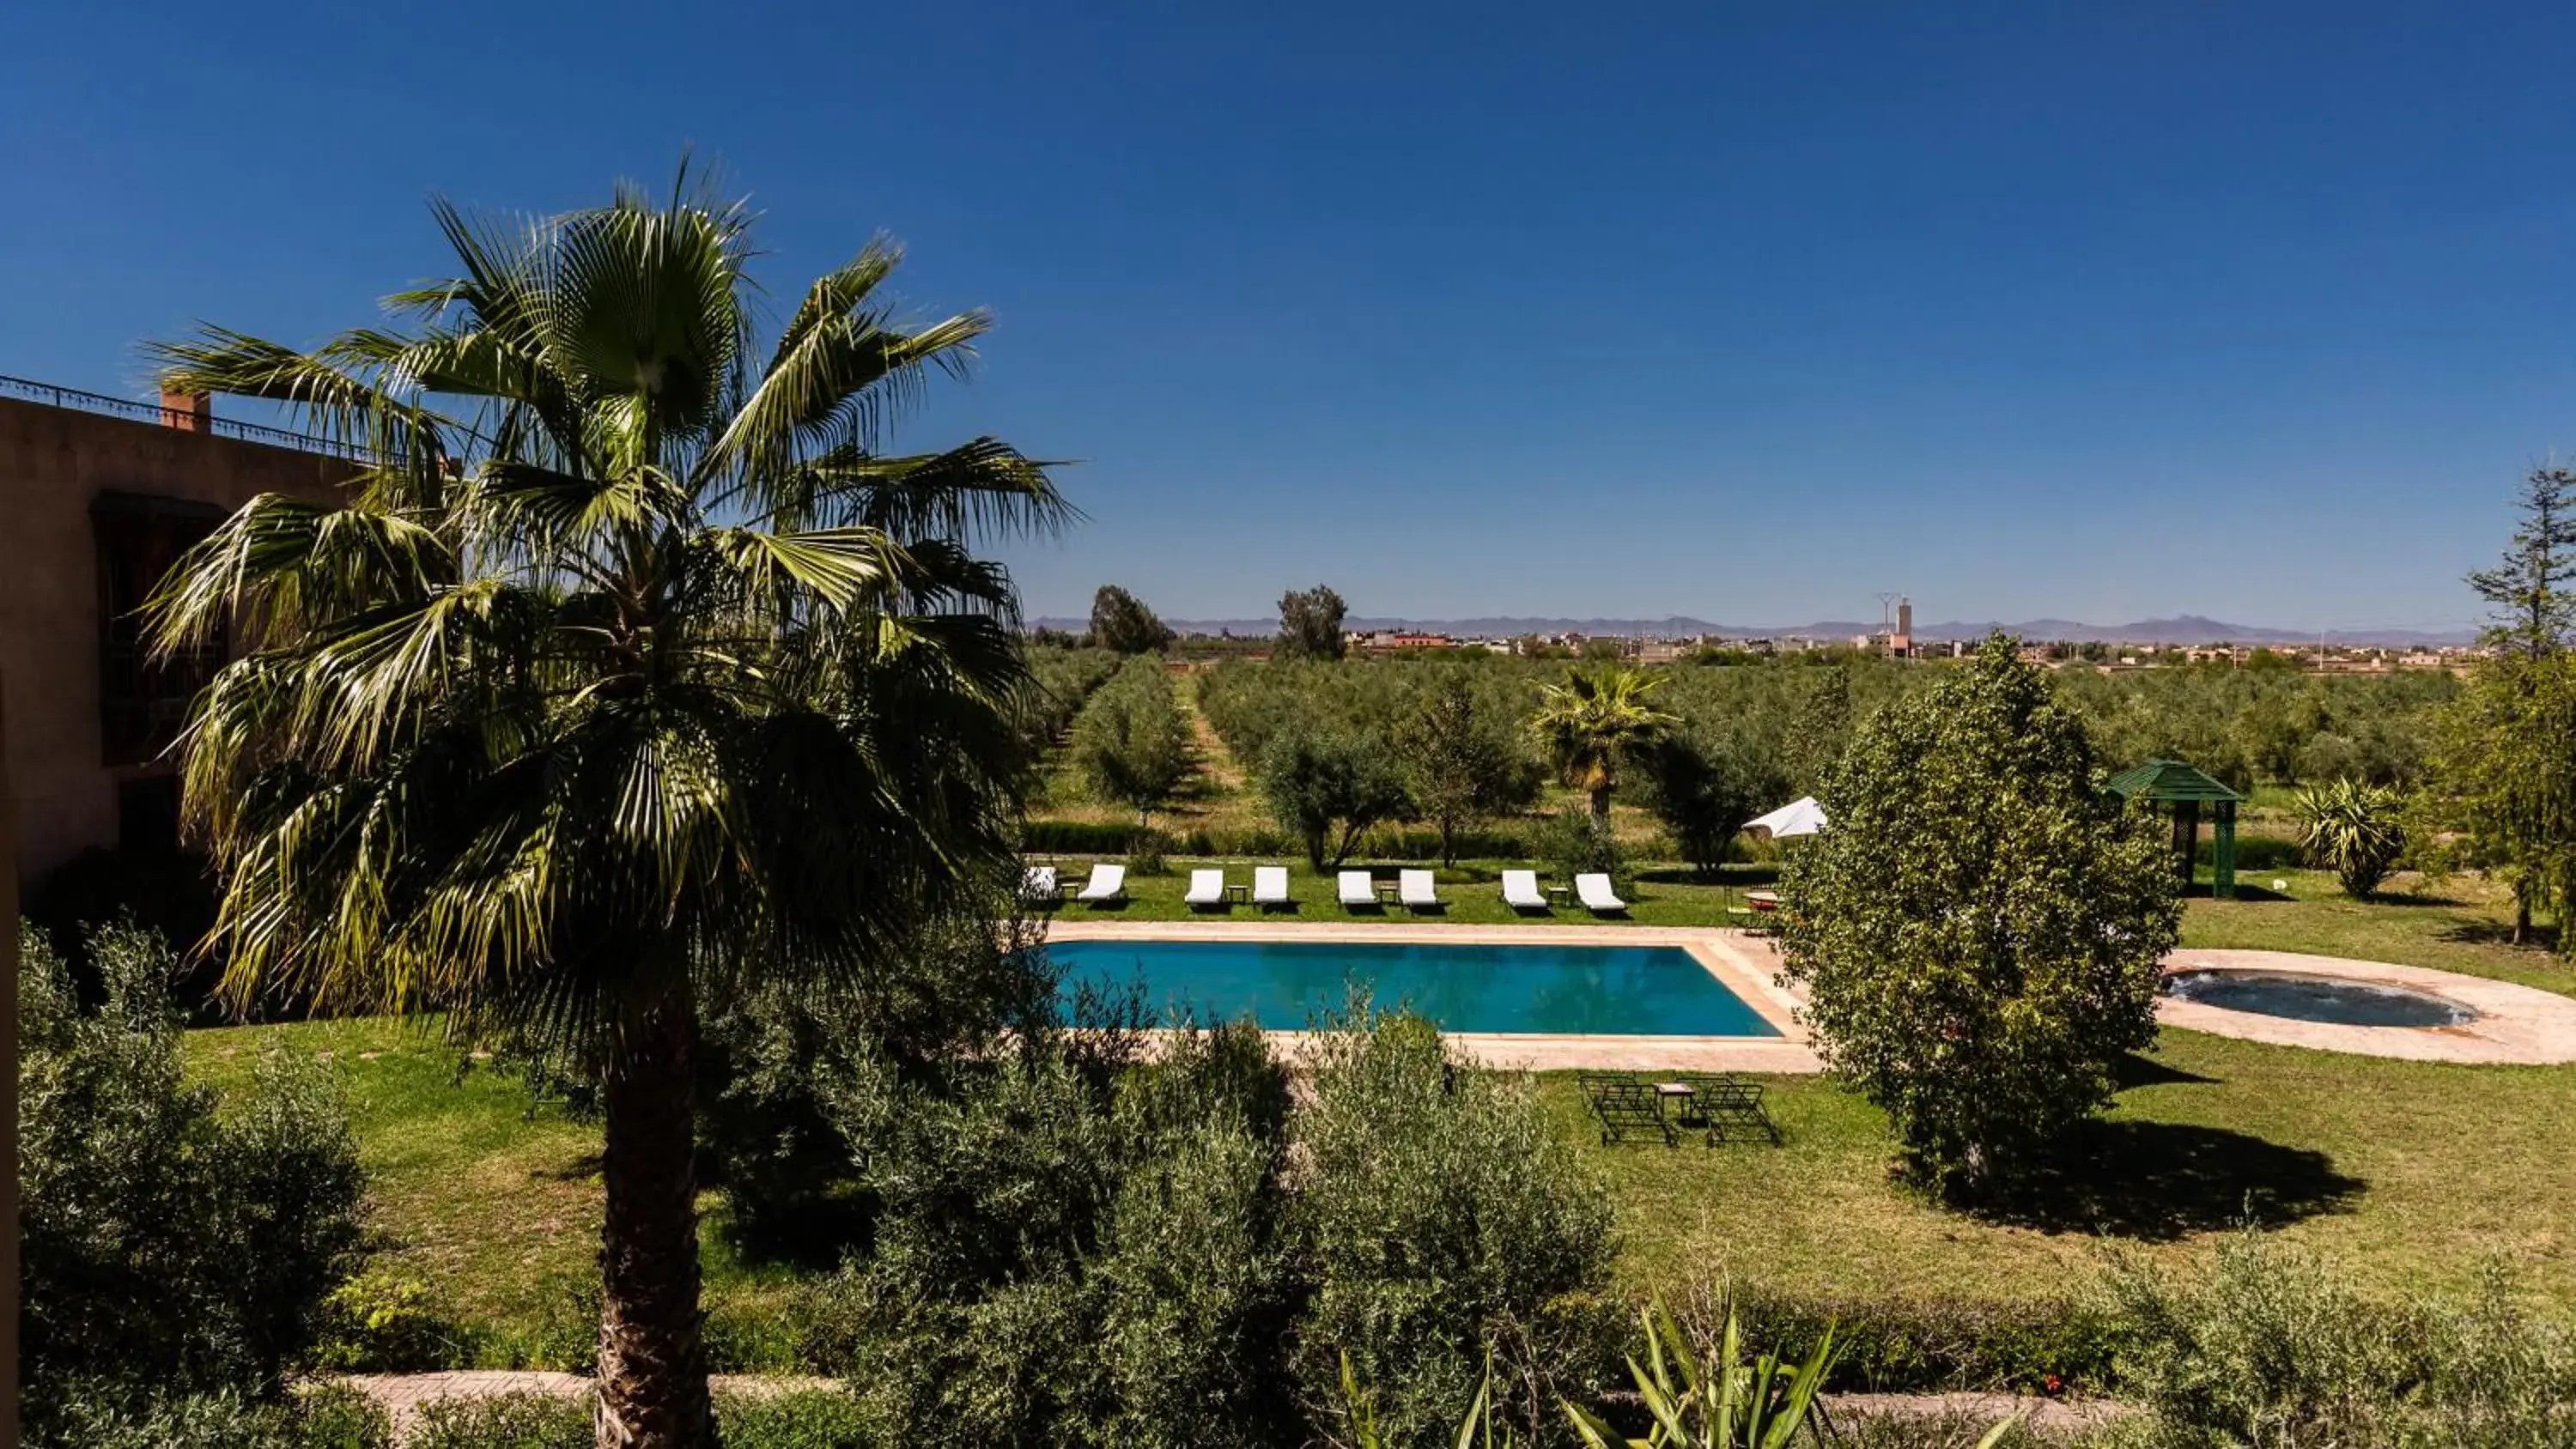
(1798,817)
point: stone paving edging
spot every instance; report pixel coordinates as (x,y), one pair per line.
(2516,1025)
(404,1396)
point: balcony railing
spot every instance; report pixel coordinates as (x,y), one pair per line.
(178,418)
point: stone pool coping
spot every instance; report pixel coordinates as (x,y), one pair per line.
(2516,1025)
(1741,962)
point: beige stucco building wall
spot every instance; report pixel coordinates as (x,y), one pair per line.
(54,463)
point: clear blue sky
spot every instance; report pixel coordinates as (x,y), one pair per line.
(1736,310)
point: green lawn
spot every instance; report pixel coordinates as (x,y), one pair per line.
(2412,1173)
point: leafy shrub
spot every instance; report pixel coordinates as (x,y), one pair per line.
(504,1421)
(1148,856)
(1079,837)
(1444,1220)
(1069,1248)
(378,1322)
(1930,1345)
(2352,829)
(563,1336)
(2255,853)
(805,1419)
(771,1059)
(2275,1349)
(1567,844)
(328,1417)
(166,1243)
(1982,928)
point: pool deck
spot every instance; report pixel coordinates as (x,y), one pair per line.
(1745,963)
(2516,1025)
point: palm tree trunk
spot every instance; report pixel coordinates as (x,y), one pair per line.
(1601,811)
(652,1362)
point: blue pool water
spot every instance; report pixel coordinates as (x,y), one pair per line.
(1585,990)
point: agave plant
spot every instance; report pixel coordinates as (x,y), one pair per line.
(1729,1403)
(2352,829)
(1732,1402)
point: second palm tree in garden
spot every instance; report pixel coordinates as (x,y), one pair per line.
(1590,724)
(632,670)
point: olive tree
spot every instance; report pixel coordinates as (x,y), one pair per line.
(1462,764)
(1326,787)
(1310,623)
(1130,743)
(1980,928)
(1122,624)
(1702,787)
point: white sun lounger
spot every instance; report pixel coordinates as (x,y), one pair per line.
(1270,885)
(1595,893)
(1357,889)
(1037,885)
(1521,892)
(1207,888)
(1107,883)
(1415,889)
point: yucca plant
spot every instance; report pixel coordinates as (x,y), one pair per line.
(633,672)
(2353,830)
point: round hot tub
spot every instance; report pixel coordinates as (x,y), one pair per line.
(2321,999)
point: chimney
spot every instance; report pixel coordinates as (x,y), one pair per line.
(189,412)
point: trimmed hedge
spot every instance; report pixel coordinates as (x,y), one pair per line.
(1936,1345)
(1116,838)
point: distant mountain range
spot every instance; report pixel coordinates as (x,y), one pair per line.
(2187,629)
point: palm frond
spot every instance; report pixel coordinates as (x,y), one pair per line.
(845,380)
(320,390)
(980,489)
(840,567)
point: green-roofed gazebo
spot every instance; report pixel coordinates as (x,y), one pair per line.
(2171,782)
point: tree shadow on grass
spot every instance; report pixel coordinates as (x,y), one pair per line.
(2476,932)
(2163,1180)
(2133,1070)
(584,1168)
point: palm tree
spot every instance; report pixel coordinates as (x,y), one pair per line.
(1590,722)
(632,674)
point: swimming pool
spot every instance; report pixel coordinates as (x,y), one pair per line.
(1544,988)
